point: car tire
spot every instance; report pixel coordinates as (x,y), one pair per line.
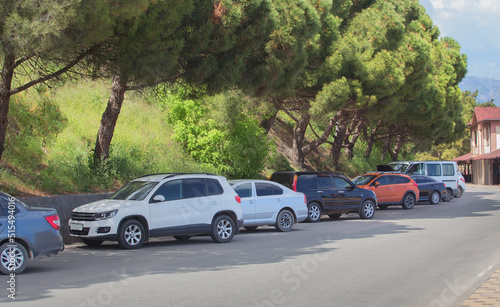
(131,234)
(335,216)
(434,198)
(408,201)
(251,228)
(367,209)
(92,243)
(313,213)
(13,253)
(460,192)
(449,196)
(383,207)
(285,220)
(223,229)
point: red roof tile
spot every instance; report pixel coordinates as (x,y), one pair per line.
(465,157)
(493,155)
(487,113)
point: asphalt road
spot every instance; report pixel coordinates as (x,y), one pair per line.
(432,255)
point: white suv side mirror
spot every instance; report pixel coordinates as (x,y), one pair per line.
(158,198)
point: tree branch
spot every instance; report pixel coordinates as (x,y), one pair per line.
(50,76)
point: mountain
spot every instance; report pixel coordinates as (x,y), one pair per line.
(487,88)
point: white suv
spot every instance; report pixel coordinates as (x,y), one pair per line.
(178,205)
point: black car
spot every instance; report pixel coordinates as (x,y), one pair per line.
(329,193)
(431,190)
(26,232)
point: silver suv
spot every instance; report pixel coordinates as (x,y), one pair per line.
(178,205)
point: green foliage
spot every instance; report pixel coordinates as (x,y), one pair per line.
(359,164)
(226,140)
(277,162)
(34,126)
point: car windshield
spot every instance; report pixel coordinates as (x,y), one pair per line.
(363,179)
(134,190)
(399,166)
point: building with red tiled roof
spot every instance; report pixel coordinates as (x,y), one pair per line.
(483,162)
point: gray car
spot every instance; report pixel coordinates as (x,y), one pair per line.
(26,232)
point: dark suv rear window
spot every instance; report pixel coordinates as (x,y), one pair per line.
(307,182)
(285,179)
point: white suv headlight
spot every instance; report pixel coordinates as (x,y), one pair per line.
(105,215)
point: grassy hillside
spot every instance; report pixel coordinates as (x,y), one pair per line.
(51,156)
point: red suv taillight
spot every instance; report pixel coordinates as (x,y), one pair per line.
(294,183)
(54,221)
(415,184)
(238,199)
(305,199)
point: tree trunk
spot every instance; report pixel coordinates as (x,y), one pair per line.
(320,140)
(340,134)
(352,136)
(298,139)
(387,146)
(370,139)
(397,148)
(5,93)
(109,119)
(267,123)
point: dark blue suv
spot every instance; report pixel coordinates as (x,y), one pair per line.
(26,232)
(329,193)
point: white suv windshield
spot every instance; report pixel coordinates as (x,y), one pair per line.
(134,190)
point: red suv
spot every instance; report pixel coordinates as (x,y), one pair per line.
(390,188)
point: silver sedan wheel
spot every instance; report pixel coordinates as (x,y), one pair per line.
(285,220)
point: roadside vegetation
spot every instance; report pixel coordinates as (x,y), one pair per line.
(235,88)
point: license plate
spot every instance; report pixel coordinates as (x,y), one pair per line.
(75,226)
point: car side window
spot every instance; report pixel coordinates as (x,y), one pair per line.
(424,180)
(244,190)
(383,180)
(325,182)
(417,169)
(194,187)
(266,189)
(433,169)
(399,180)
(448,169)
(170,190)
(340,183)
(307,182)
(213,187)
(198,187)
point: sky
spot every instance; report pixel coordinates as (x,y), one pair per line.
(475,25)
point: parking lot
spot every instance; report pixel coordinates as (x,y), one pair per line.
(431,255)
